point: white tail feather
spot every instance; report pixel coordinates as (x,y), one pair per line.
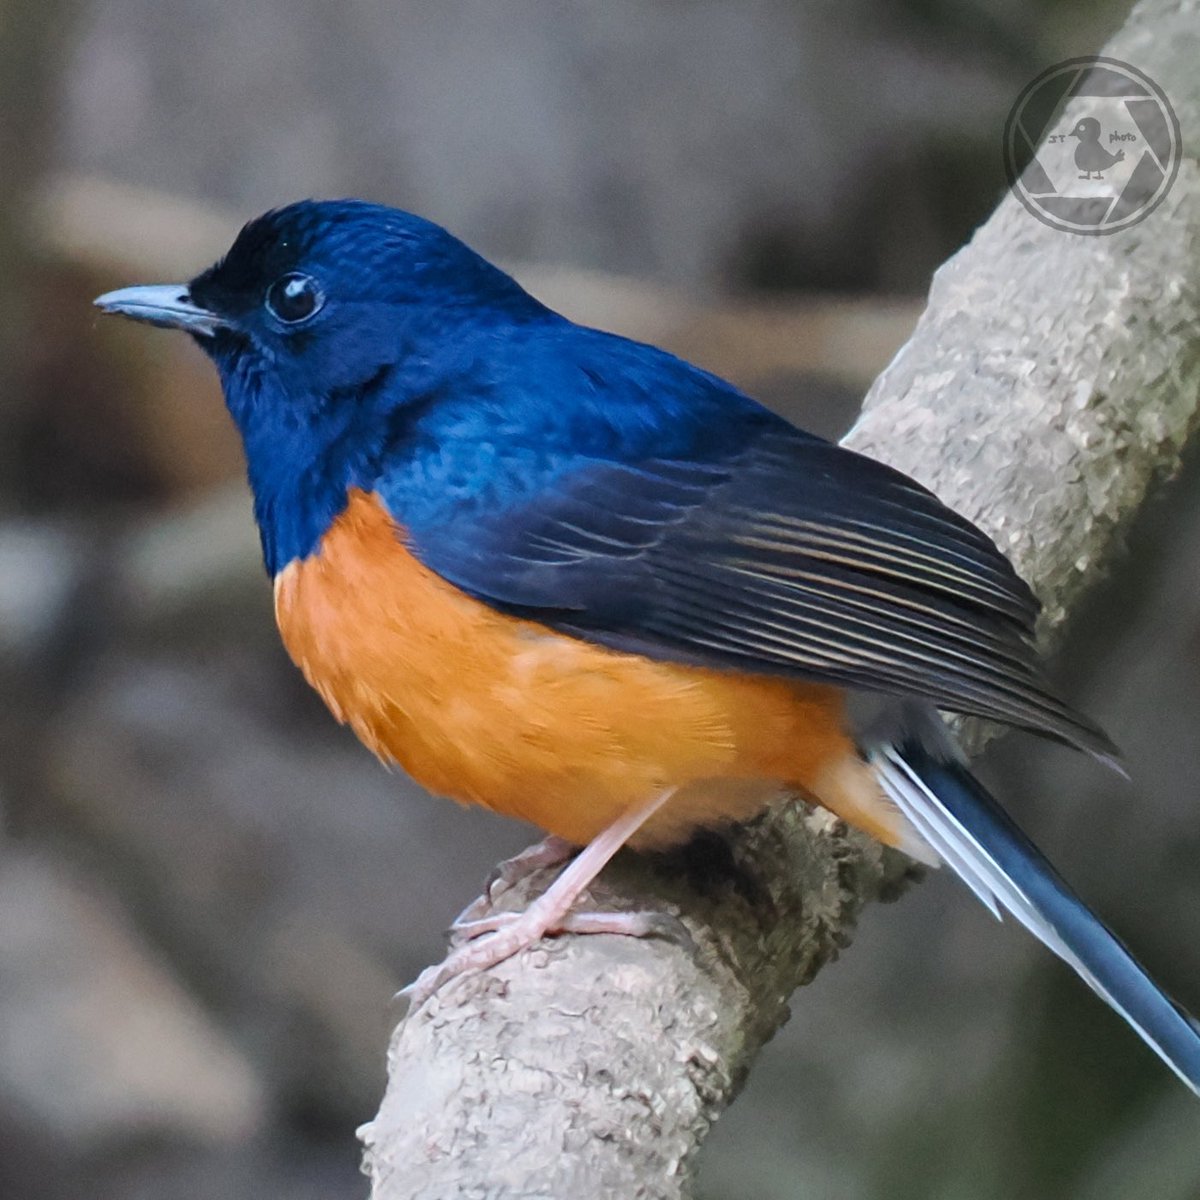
(958,849)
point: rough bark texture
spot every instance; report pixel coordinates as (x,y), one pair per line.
(1050,386)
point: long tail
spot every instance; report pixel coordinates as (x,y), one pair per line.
(973,835)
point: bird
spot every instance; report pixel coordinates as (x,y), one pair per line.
(1089,154)
(576,580)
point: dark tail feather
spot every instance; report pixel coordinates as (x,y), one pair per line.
(977,839)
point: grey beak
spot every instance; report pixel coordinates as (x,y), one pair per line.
(167,305)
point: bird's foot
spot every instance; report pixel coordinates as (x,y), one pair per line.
(551,851)
(497,936)
(492,939)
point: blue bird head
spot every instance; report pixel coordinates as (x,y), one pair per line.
(326,320)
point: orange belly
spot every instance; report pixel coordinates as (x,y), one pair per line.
(493,710)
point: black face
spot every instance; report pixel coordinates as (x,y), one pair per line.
(259,284)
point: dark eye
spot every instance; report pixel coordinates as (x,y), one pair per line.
(293,298)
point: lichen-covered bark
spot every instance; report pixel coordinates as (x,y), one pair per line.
(1050,386)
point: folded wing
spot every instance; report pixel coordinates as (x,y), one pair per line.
(785,554)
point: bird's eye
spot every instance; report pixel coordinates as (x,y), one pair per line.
(293,298)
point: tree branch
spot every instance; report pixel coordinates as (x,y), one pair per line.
(1050,385)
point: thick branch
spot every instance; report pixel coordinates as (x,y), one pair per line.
(1051,383)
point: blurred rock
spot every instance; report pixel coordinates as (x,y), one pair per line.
(41,564)
(99,1045)
(176,570)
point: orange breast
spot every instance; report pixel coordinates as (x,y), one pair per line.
(502,712)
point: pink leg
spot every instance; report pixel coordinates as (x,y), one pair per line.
(502,935)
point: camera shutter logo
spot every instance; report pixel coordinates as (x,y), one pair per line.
(1092,146)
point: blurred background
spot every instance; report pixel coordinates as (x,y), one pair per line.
(208,892)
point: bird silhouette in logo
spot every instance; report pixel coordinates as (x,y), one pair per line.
(1090,156)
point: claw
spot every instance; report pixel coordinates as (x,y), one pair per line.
(549,852)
